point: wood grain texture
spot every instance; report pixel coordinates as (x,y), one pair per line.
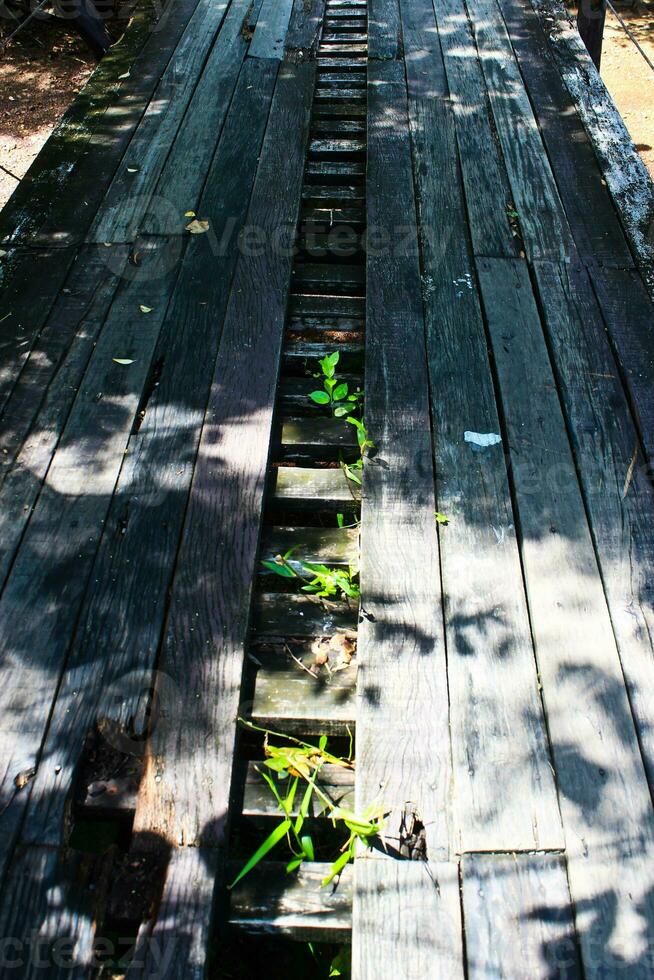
(518,917)
(384,30)
(115,649)
(208,617)
(488,196)
(591,213)
(603,792)
(403,749)
(128,195)
(504,795)
(304,29)
(286,697)
(270,33)
(541,215)
(43,593)
(422,939)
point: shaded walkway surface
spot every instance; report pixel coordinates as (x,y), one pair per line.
(158,331)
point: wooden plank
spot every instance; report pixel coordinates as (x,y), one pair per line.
(335,781)
(403,750)
(592,216)
(488,196)
(207,622)
(129,193)
(628,314)
(268,900)
(384,30)
(89,136)
(49,576)
(185,170)
(541,215)
(423,939)
(285,614)
(50,905)
(304,29)
(26,310)
(317,434)
(518,917)
(297,486)
(618,494)
(603,792)
(123,614)
(331,545)
(504,792)
(270,32)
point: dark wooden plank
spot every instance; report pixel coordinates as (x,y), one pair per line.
(270,33)
(270,901)
(591,213)
(129,193)
(25,310)
(327,488)
(317,434)
(618,494)
(185,170)
(284,614)
(488,196)
(629,314)
(304,30)
(603,792)
(518,917)
(48,579)
(207,623)
(543,222)
(503,799)
(425,940)
(384,30)
(123,615)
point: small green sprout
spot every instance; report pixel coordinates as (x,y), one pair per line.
(335,394)
(442,518)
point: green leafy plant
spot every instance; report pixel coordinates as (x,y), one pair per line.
(441,518)
(296,764)
(335,394)
(320,580)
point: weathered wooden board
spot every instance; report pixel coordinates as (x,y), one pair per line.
(504,794)
(129,193)
(333,546)
(384,30)
(208,617)
(284,614)
(422,939)
(327,488)
(542,219)
(603,792)
(518,917)
(336,782)
(286,697)
(48,579)
(593,218)
(488,196)
(304,29)
(617,491)
(122,618)
(628,314)
(270,33)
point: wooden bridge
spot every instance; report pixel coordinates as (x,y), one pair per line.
(444,195)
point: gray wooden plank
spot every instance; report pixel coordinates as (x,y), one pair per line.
(541,215)
(304,29)
(603,792)
(504,796)
(185,170)
(285,614)
(488,196)
(206,631)
(335,781)
(384,30)
(115,648)
(333,546)
(617,491)
(48,579)
(270,32)
(402,708)
(518,917)
(316,488)
(423,939)
(129,193)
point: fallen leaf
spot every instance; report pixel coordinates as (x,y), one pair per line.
(345,645)
(125,74)
(145,309)
(2,253)
(132,170)
(189,214)
(197,227)
(320,651)
(122,360)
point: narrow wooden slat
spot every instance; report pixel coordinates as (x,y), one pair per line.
(285,614)
(504,794)
(317,488)
(330,545)
(206,630)
(336,782)
(317,433)
(128,195)
(50,574)
(306,354)
(332,193)
(304,29)
(542,218)
(270,33)
(317,305)
(287,698)
(269,900)
(384,30)
(294,394)
(603,791)
(518,917)
(120,625)
(592,216)
(487,192)
(423,939)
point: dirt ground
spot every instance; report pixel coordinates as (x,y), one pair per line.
(42,70)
